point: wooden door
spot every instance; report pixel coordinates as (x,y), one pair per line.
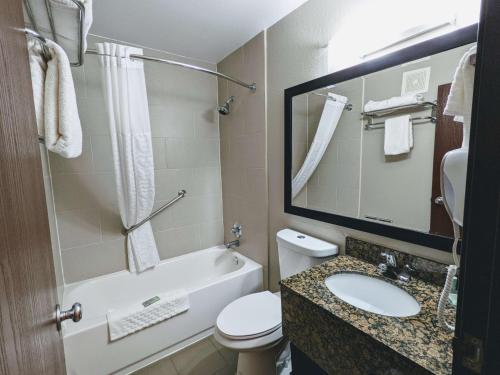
(29,341)
(448,137)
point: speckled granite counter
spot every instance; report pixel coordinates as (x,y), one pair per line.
(343,339)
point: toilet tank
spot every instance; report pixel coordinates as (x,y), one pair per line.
(298,252)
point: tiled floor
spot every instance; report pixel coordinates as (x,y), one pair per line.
(206,357)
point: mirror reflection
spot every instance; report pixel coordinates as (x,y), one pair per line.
(371,147)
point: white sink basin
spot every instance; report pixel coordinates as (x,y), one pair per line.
(372,294)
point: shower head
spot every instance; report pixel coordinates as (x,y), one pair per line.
(225,109)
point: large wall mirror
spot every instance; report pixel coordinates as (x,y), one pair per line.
(364,145)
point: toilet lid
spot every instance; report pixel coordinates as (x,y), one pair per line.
(250,316)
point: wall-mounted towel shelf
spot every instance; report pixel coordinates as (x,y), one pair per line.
(409,107)
(179,196)
(386,112)
(80,17)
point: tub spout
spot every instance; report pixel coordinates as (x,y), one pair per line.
(232,244)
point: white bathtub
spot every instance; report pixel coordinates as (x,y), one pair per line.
(213,277)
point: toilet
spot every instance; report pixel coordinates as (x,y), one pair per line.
(252,324)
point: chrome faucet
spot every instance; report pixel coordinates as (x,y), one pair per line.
(237,231)
(391,270)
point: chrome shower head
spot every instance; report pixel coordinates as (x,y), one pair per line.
(225,109)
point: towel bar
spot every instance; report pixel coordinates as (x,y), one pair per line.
(380,125)
(180,195)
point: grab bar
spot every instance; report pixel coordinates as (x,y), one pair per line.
(180,195)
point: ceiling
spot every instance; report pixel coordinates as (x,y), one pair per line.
(203,29)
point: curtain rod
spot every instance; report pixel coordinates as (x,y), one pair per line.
(250,86)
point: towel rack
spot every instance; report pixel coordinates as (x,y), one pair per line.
(80,20)
(181,194)
(413,107)
(348,106)
(380,125)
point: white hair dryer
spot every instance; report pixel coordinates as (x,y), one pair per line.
(453,177)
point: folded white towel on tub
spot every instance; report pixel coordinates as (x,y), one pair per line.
(143,314)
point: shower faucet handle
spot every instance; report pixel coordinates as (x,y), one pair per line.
(237,230)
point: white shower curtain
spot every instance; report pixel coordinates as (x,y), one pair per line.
(334,105)
(128,115)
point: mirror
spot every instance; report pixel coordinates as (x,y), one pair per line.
(364,145)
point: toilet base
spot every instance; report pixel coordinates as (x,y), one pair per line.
(260,362)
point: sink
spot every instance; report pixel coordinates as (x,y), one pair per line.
(372,294)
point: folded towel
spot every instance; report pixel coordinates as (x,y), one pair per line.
(55,101)
(395,101)
(65,15)
(398,137)
(459,102)
(144,314)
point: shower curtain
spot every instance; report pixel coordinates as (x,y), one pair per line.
(128,115)
(334,105)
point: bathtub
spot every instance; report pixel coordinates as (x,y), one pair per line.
(213,278)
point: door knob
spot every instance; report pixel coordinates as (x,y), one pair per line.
(439,201)
(75,314)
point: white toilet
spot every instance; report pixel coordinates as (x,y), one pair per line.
(252,324)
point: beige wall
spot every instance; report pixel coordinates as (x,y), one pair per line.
(186,156)
(243,150)
(296,53)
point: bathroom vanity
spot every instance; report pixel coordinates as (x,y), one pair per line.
(330,335)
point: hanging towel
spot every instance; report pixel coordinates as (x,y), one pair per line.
(38,67)
(65,15)
(328,122)
(459,102)
(395,101)
(398,137)
(128,116)
(144,314)
(55,101)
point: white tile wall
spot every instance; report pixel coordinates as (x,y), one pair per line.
(186,152)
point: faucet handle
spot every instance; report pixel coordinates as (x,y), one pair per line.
(237,230)
(408,268)
(390,258)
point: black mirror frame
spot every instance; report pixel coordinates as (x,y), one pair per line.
(443,43)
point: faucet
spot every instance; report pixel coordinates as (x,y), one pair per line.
(390,268)
(237,231)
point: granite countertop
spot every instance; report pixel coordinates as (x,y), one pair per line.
(418,338)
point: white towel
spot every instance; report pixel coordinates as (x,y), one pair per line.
(140,315)
(398,136)
(459,102)
(126,102)
(65,16)
(395,101)
(328,122)
(55,101)
(38,67)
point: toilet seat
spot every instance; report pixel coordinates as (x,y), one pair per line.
(259,343)
(250,317)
